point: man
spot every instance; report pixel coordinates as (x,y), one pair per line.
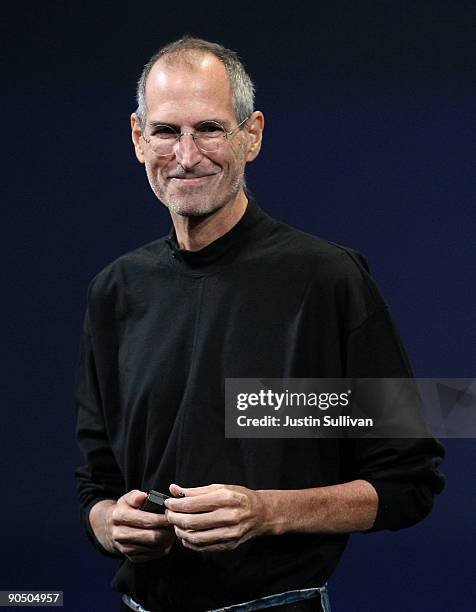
(231,293)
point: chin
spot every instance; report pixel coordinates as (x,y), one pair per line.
(196,205)
(191,209)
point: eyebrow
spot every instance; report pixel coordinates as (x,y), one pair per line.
(224,124)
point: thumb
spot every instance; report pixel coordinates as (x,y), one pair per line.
(135,498)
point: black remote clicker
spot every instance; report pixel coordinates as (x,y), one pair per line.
(154,502)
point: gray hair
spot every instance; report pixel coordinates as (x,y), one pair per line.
(243,91)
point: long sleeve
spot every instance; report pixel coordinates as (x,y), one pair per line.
(404,471)
(100,477)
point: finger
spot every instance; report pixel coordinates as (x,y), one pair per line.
(138,549)
(212,499)
(200,539)
(231,545)
(125,515)
(148,538)
(224,517)
(191,491)
(136,554)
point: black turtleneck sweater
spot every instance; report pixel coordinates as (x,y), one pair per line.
(165,327)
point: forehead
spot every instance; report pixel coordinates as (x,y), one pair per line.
(188,91)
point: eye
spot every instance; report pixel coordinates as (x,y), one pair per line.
(210,129)
(164,132)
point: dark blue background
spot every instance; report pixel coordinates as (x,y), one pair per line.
(369,142)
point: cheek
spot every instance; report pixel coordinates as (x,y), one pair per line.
(234,163)
(240,156)
(155,170)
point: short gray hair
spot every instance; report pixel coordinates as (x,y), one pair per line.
(242,88)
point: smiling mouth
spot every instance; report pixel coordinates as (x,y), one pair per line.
(192,179)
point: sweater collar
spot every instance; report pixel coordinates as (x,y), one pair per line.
(222,249)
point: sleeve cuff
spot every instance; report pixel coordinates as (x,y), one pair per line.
(400,504)
(89,530)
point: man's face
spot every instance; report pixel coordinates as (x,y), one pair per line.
(189,181)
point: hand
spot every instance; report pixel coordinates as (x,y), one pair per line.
(121,526)
(216,517)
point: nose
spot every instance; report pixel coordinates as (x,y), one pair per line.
(187,153)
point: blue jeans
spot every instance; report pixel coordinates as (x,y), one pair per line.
(263,602)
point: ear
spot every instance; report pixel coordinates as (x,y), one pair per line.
(254,127)
(137,138)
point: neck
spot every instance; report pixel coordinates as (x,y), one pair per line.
(195,233)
